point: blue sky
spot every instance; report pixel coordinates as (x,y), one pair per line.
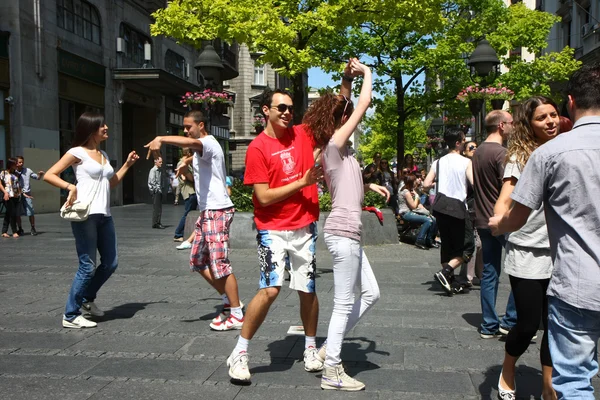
(317,78)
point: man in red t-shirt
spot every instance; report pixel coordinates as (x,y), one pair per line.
(280,167)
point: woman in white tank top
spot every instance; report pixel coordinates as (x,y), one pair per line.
(95,177)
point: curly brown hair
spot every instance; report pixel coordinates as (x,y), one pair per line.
(325,115)
(522,141)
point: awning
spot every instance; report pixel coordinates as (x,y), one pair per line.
(155,79)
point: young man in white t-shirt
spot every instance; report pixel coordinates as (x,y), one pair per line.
(210,249)
(456,230)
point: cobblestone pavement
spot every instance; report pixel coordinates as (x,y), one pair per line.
(155,343)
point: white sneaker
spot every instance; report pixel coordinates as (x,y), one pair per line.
(312,363)
(229,324)
(322,353)
(79,323)
(238,367)
(184,245)
(92,309)
(335,378)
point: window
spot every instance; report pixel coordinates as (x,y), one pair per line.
(566,31)
(175,64)
(259,75)
(79,17)
(134,43)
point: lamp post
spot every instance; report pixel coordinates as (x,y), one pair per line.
(209,67)
(485,64)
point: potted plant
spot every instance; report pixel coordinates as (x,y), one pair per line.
(207,99)
(258,122)
(498,95)
(474,95)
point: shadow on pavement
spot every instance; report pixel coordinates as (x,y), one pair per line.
(528,382)
(125,311)
(473,319)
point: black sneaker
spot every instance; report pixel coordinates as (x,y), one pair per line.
(33,231)
(20,232)
(493,335)
(421,246)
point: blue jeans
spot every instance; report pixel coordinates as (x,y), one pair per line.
(492,259)
(191,203)
(97,232)
(428,226)
(573,335)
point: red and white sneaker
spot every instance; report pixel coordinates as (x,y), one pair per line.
(219,318)
(228,324)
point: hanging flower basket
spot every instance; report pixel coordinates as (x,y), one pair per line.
(471,92)
(207,100)
(497,104)
(499,92)
(475,105)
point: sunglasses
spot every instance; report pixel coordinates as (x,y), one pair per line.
(471,148)
(282,107)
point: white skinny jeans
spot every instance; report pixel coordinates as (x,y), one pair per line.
(351,270)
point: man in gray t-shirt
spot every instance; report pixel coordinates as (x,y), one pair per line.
(564,175)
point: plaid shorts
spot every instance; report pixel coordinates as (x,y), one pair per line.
(211,243)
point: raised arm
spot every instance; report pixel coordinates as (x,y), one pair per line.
(341,136)
(118,177)
(179,141)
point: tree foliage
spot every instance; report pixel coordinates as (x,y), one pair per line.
(418,47)
(381,130)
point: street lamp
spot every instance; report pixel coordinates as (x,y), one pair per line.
(485,64)
(209,66)
(484,61)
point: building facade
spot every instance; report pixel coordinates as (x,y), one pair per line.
(252,80)
(579,28)
(60,58)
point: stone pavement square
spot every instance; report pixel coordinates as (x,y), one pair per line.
(155,343)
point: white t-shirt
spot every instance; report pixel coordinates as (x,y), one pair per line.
(87,173)
(210,176)
(452,179)
(528,249)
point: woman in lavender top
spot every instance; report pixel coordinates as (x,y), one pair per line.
(332,120)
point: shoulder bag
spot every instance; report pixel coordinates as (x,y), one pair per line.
(447,205)
(79,210)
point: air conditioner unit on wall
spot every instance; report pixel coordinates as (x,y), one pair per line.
(120,45)
(586,29)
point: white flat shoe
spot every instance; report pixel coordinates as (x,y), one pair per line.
(506,394)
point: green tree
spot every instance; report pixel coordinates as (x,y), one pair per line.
(403,51)
(380,130)
(293,35)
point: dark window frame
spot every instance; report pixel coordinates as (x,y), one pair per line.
(134,43)
(172,59)
(81,18)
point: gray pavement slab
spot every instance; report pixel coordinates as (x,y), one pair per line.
(155,343)
(16,388)
(157,390)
